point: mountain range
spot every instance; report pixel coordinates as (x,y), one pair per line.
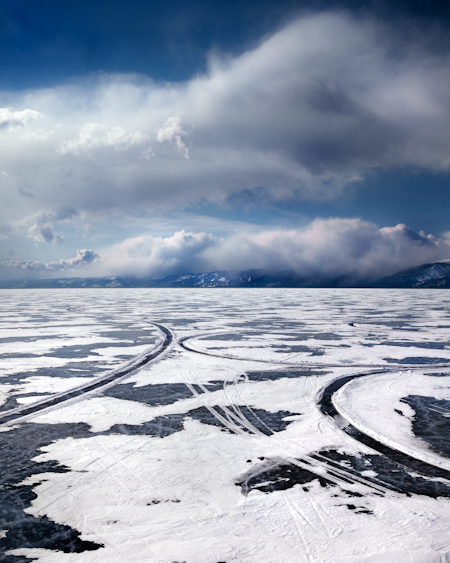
(435,275)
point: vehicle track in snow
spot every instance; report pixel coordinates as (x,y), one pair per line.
(183,342)
(239,424)
(315,463)
(327,408)
(12,416)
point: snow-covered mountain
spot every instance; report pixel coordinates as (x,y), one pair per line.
(436,275)
(245,278)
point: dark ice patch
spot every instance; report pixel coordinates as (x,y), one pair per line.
(174,321)
(83,351)
(393,324)
(298,349)
(75,369)
(390,473)
(18,355)
(431,422)
(10,403)
(11,339)
(326,336)
(264,421)
(159,394)
(278,475)
(419,360)
(127,336)
(273,375)
(426,345)
(227,336)
(275,475)
(160,427)
(18,447)
(27,531)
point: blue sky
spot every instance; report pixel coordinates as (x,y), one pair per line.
(151,138)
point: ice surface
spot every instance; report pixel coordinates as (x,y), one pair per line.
(375,405)
(218,450)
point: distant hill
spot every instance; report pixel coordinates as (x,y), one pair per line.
(436,275)
(246,278)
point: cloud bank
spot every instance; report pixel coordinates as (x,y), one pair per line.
(27,268)
(305,114)
(324,250)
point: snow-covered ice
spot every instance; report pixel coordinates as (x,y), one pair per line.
(241,442)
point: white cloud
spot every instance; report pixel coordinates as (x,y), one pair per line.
(11,120)
(172,132)
(95,135)
(331,248)
(307,113)
(304,114)
(159,256)
(82,259)
(323,249)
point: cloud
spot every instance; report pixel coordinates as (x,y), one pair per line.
(334,247)
(28,268)
(95,136)
(324,249)
(308,112)
(159,256)
(43,229)
(11,120)
(83,258)
(172,132)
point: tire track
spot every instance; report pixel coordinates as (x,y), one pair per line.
(319,465)
(315,462)
(384,367)
(78,393)
(327,407)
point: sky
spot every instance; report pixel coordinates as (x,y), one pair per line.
(152,138)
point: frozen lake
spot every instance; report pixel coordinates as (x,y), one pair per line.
(207,426)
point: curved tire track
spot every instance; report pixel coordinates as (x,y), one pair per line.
(328,408)
(321,365)
(12,416)
(314,463)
